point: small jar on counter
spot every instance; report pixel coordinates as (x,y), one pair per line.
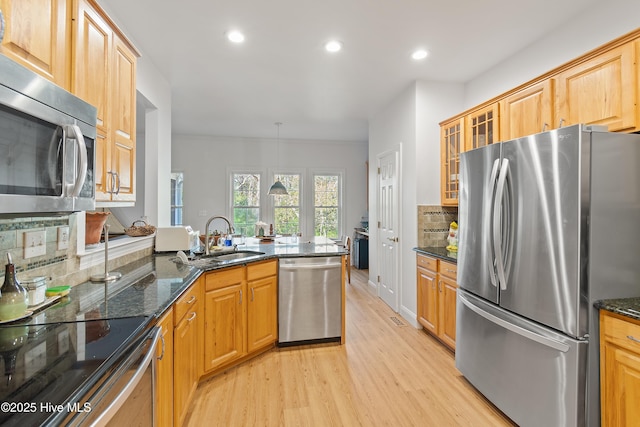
(36,286)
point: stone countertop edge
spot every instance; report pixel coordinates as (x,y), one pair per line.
(437,252)
(628,307)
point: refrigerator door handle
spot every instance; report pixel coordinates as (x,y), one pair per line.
(497,223)
(549,342)
(487,224)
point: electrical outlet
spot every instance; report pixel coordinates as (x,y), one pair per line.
(63,238)
(35,243)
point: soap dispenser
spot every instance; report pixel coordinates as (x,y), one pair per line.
(14,298)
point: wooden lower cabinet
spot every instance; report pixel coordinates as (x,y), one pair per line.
(240,312)
(428,299)
(619,371)
(224,331)
(437,291)
(224,317)
(164,371)
(186,342)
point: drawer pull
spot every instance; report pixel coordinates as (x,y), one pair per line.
(193,316)
(633,339)
(192,299)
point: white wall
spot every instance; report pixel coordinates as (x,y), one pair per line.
(205,162)
(392,127)
(411,119)
(600,24)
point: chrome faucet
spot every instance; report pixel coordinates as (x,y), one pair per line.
(207,235)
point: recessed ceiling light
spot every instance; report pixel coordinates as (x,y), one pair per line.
(333,46)
(419,54)
(235,36)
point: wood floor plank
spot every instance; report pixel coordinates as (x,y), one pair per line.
(387,374)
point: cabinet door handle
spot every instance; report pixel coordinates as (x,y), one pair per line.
(252,294)
(561,122)
(633,339)
(117,176)
(544,127)
(440,286)
(193,316)
(161,354)
(192,299)
(433,284)
(240,296)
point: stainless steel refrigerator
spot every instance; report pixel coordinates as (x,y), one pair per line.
(548,224)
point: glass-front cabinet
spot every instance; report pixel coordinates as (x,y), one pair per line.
(482,127)
(452,140)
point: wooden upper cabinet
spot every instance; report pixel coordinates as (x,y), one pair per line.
(527,111)
(124,120)
(601,90)
(451,140)
(38,36)
(482,127)
(93,39)
(104,74)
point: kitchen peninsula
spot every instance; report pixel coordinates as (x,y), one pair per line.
(60,355)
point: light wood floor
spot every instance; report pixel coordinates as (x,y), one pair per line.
(387,374)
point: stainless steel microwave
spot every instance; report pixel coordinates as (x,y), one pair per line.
(47,145)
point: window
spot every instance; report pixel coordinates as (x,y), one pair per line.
(177,185)
(246,201)
(286,209)
(326,205)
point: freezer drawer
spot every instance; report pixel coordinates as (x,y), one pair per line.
(535,375)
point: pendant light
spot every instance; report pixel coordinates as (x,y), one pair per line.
(277,189)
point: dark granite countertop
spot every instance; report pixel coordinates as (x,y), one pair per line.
(116,312)
(441,253)
(629,307)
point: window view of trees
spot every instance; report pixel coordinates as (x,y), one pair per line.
(177,186)
(326,205)
(287,208)
(246,202)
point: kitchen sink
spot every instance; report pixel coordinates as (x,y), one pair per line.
(228,257)
(232,256)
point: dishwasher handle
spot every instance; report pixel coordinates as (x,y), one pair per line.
(310,266)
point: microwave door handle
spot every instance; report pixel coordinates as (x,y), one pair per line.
(497,223)
(487,223)
(74,132)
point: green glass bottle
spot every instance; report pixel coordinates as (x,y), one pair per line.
(14,298)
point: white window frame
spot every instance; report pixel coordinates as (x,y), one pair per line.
(271,199)
(341,198)
(230,205)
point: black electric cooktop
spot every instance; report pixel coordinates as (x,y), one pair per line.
(48,368)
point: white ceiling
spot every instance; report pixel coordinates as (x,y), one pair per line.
(282,73)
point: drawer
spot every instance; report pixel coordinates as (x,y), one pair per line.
(427,262)
(448,269)
(185,303)
(222,278)
(259,270)
(624,333)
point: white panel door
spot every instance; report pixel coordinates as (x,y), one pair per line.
(388,212)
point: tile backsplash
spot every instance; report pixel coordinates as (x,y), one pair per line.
(61,267)
(433,225)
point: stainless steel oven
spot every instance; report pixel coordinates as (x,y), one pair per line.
(47,145)
(127,394)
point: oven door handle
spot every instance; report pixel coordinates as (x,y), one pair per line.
(126,391)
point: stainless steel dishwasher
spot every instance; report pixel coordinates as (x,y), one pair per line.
(310,299)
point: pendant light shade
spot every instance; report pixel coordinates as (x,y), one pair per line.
(278,189)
